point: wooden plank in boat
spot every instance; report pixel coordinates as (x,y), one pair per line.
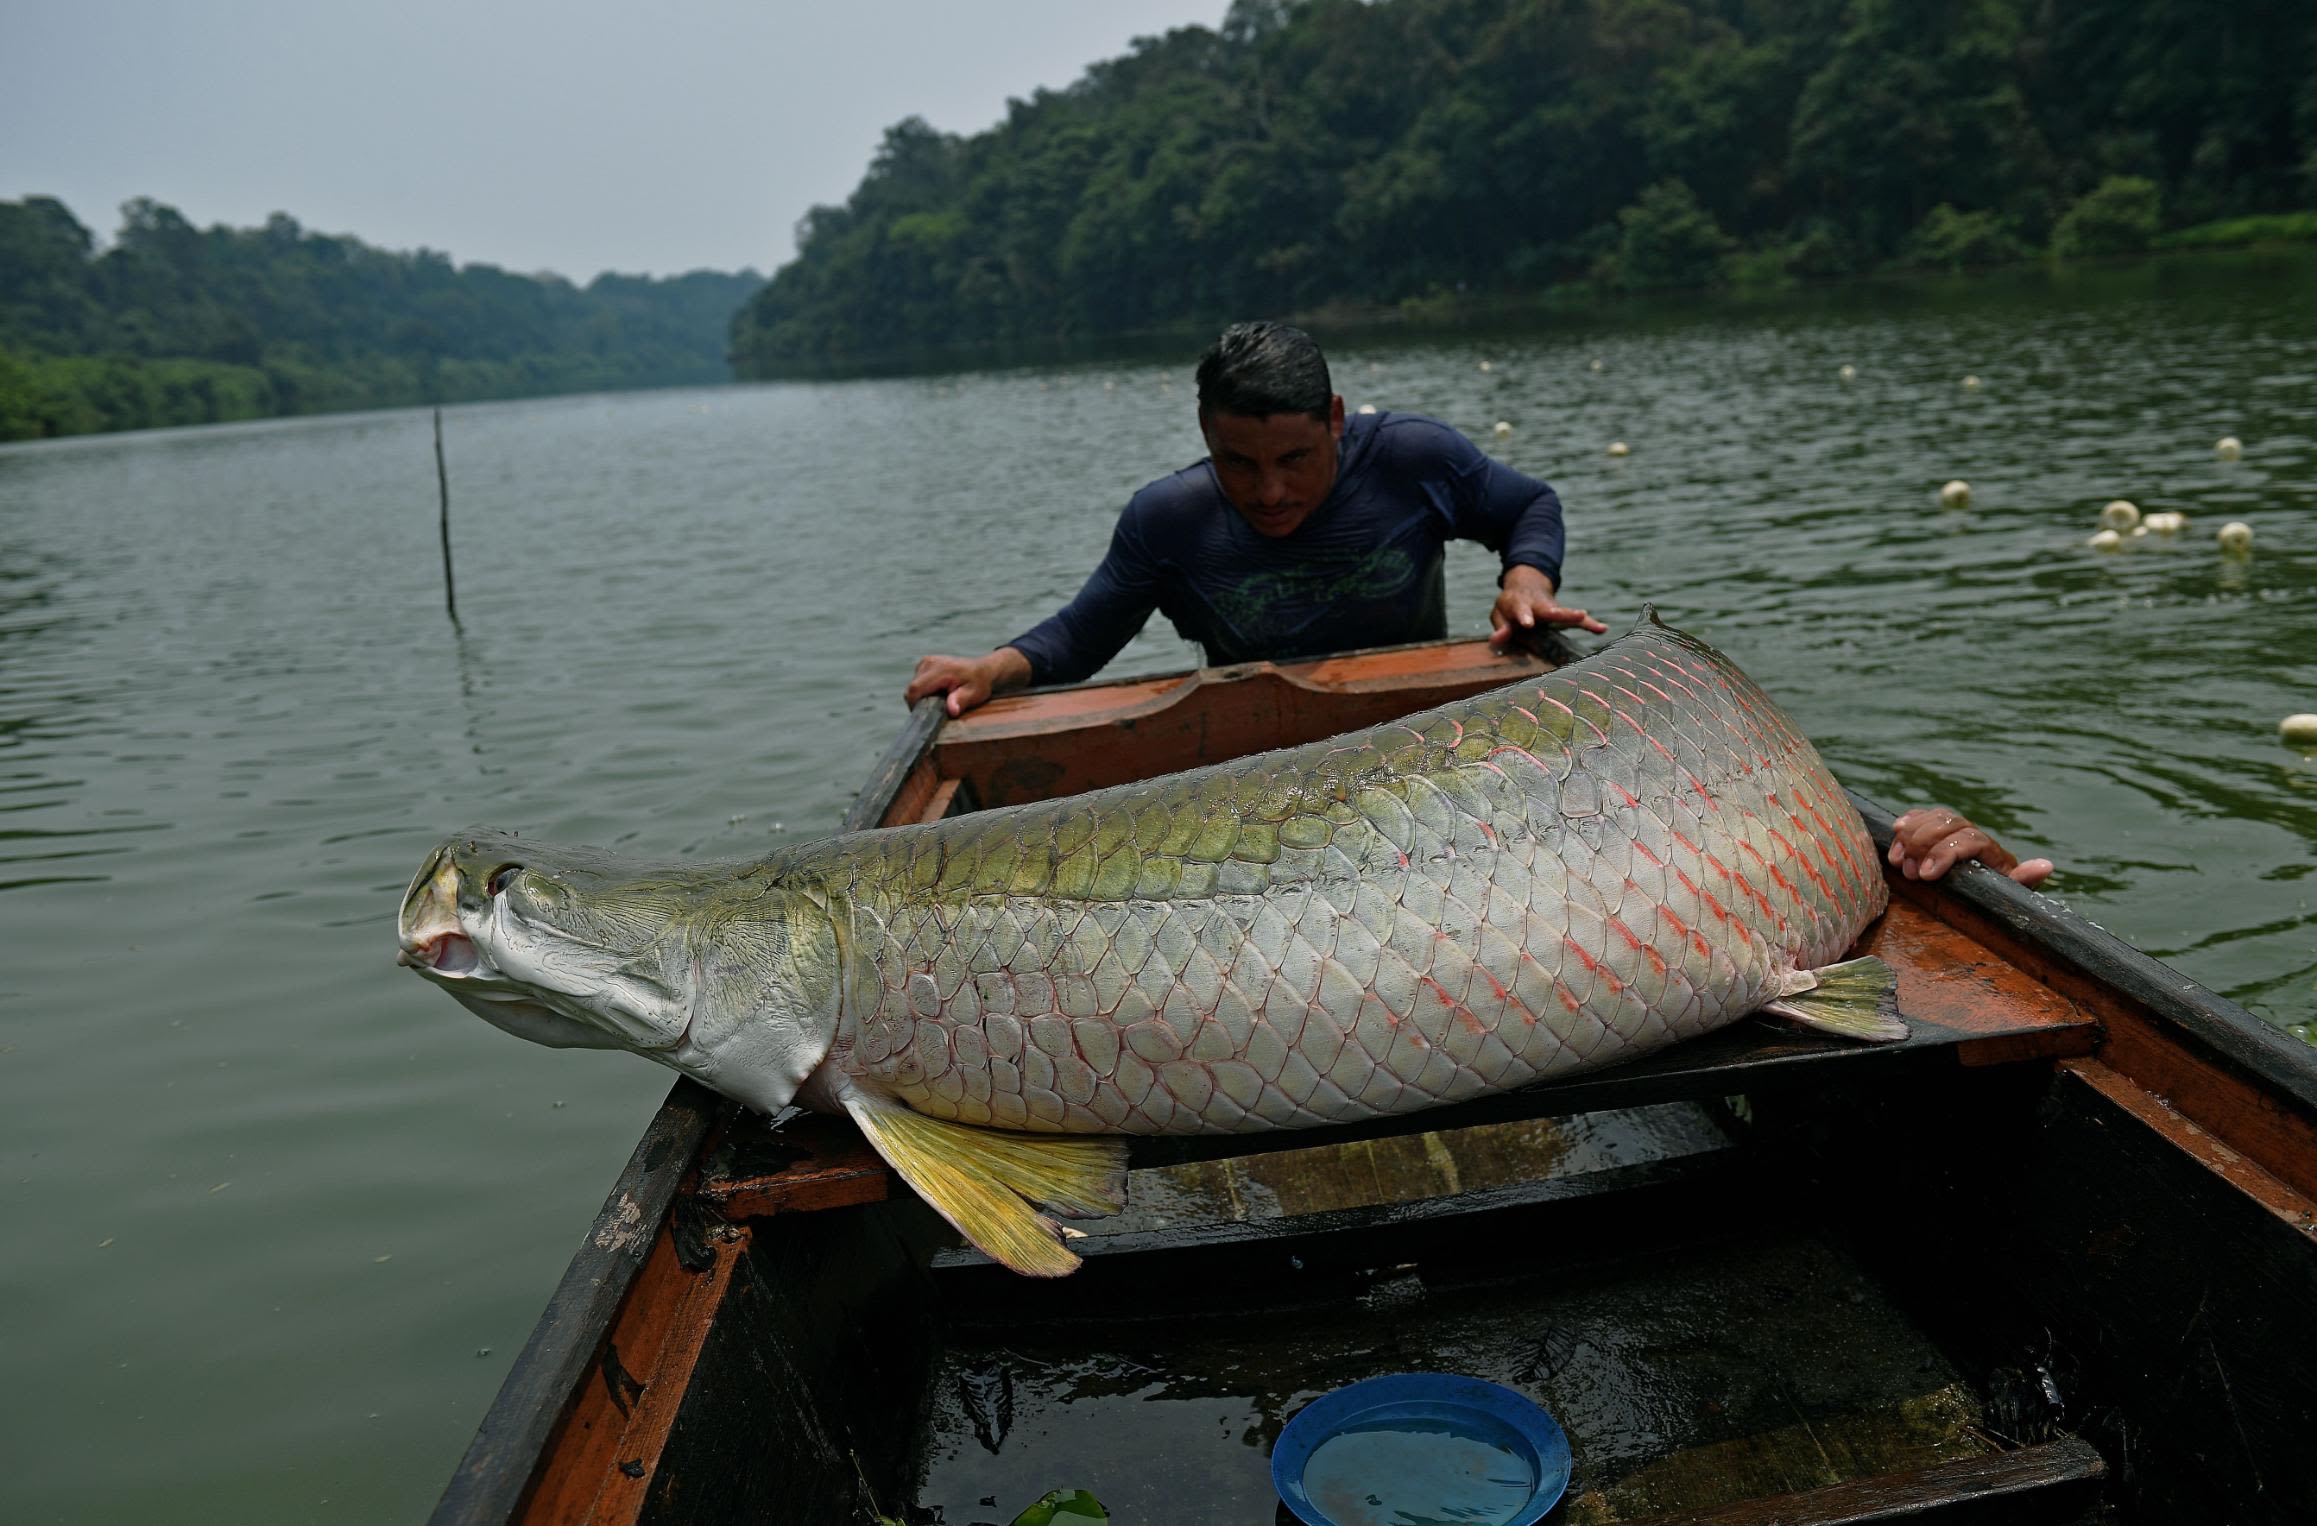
(1350,1235)
(2055,1482)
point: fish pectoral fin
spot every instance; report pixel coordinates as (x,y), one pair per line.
(1857,1000)
(978,1179)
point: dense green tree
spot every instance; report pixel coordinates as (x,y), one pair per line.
(1667,239)
(175,324)
(1951,240)
(1316,153)
(2119,216)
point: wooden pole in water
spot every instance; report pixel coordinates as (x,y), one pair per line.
(442,477)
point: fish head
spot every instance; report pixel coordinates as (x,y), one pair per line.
(712,969)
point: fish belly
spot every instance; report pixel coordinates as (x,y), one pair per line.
(1571,871)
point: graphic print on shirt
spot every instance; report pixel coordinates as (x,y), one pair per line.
(1255,603)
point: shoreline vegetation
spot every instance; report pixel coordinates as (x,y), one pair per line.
(1355,163)
(175,325)
(1172,344)
(1332,156)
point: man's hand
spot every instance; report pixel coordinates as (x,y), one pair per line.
(1927,842)
(968,681)
(1526,602)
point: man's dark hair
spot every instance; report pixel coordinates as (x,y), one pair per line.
(1262,368)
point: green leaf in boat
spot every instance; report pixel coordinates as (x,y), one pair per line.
(1056,1508)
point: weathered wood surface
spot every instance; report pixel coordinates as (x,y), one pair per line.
(2192,1308)
(2241,1173)
(550,1375)
(2055,1482)
(2246,1081)
(1050,742)
(902,780)
(1212,1251)
(611,1438)
(804,1402)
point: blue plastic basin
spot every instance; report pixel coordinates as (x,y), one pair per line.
(1421,1449)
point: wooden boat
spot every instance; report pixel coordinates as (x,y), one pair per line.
(2054,1258)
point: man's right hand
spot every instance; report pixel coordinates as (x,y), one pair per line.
(968,681)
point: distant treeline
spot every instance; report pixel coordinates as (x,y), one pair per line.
(175,324)
(1336,153)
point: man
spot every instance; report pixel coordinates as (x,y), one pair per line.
(1301,533)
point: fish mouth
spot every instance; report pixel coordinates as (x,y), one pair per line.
(451,954)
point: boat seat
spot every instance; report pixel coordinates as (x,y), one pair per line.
(2052,1484)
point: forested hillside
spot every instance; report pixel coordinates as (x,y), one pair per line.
(174,324)
(1337,152)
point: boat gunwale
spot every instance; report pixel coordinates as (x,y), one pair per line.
(2256,1049)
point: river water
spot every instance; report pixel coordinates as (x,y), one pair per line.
(280,1215)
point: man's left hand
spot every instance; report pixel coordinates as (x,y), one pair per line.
(1526,602)
(1928,841)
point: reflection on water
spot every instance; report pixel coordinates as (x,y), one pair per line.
(298,1212)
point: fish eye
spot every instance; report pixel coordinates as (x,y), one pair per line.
(499,878)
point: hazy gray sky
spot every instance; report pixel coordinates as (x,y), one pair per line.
(578,137)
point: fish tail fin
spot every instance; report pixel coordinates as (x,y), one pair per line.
(978,1179)
(1857,1000)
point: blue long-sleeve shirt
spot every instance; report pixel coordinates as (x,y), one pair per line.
(1364,569)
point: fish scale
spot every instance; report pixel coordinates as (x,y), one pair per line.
(1558,875)
(1568,872)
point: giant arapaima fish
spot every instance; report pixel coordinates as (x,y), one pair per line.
(1561,874)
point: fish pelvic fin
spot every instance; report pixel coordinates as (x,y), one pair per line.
(978,1179)
(1857,1000)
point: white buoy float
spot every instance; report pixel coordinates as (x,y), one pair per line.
(2300,730)
(1848,373)
(1971,384)
(1619,448)
(2106,540)
(1598,366)
(2236,536)
(2228,447)
(2164,522)
(1502,430)
(1956,494)
(2120,514)
(1367,407)
(1488,365)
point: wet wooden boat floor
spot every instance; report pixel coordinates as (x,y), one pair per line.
(1764,1363)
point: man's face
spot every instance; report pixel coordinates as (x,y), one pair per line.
(1275,468)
